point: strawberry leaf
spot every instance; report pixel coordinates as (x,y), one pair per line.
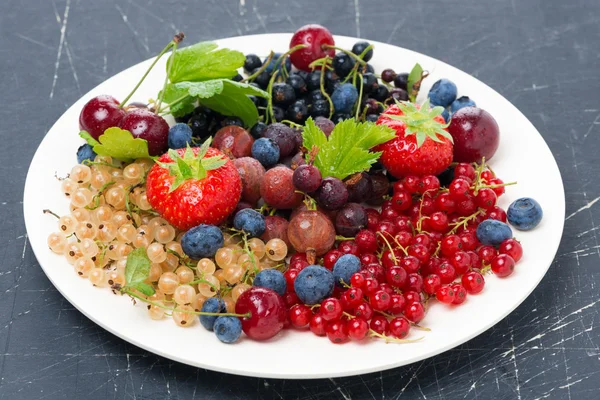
(421,122)
(118,143)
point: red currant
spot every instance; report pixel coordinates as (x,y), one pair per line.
(373,218)
(396,276)
(403,223)
(375,271)
(357,280)
(473,282)
(486,198)
(469,240)
(386,287)
(366,241)
(429,184)
(444,202)
(424,239)
(357,329)
(290,276)
(432,283)
(403,238)
(512,248)
(318,324)
(464,170)
(503,265)
(336,331)
(368,258)
(390,258)
(380,300)
(475,259)
(348,247)
(446,272)
(466,206)
(461,261)
(331,309)
(364,311)
(421,252)
(450,245)
(410,264)
(445,294)
(399,327)
(459,189)
(389,214)
(414,312)
(300,315)
(411,183)
(427,206)
(487,176)
(330,258)
(387,229)
(371,286)
(415,282)
(438,221)
(496,213)
(380,324)
(291,299)
(401,201)
(460,293)
(397,304)
(298,264)
(351,298)
(487,254)
(499,190)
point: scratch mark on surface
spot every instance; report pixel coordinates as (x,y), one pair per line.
(588,231)
(588,205)
(339,389)
(63,30)
(259,17)
(535,88)
(591,128)
(514,360)
(68,51)
(357,17)
(135,33)
(24,248)
(33,41)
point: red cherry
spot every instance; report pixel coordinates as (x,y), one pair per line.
(336,331)
(399,327)
(366,241)
(318,325)
(414,312)
(313,36)
(476,134)
(364,311)
(460,293)
(144,124)
(357,329)
(379,324)
(380,300)
(300,316)
(445,294)
(100,113)
(267,312)
(397,305)
(473,282)
(331,309)
(503,265)
(512,248)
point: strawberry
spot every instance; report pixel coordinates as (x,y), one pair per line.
(422,145)
(194,186)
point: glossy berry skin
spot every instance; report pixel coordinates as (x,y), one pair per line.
(352,298)
(380,300)
(350,219)
(460,293)
(344,97)
(290,277)
(313,284)
(268,313)
(366,241)
(399,327)
(234,141)
(85,152)
(277,188)
(379,324)
(524,214)
(357,329)
(202,241)
(332,194)
(144,124)
(492,232)
(283,94)
(228,329)
(432,283)
(442,93)
(364,311)
(252,62)
(212,305)
(276,227)
(473,282)
(486,198)
(194,202)
(100,113)
(250,221)
(461,102)
(414,312)
(300,316)
(401,81)
(401,156)
(275,63)
(357,280)
(314,37)
(503,265)
(271,279)
(343,64)
(180,135)
(330,258)
(307,178)
(512,248)
(445,294)
(251,172)
(476,135)
(343,269)
(266,151)
(318,325)
(331,309)
(396,276)
(337,332)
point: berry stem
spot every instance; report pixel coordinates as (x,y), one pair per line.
(351,54)
(46,211)
(389,246)
(392,340)
(322,87)
(161,95)
(261,69)
(269,114)
(292,124)
(174,309)
(360,94)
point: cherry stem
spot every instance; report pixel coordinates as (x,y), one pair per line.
(171,59)
(158,57)
(171,104)
(261,69)
(46,211)
(174,309)
(292,124)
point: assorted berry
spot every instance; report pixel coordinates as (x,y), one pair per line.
(310,194)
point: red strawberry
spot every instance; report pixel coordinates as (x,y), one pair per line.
(190,192)
(422,145)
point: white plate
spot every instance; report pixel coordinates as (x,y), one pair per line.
(521,156)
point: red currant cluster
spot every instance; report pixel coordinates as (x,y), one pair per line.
(421,245)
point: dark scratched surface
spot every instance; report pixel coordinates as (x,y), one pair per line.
(543,55)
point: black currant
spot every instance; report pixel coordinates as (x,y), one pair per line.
(343,64)
(252,62)
(283,94)
(359,48)
(297,112)
(297,83)
(401,81)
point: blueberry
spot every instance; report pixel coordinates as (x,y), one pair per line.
(271,66)
(85,152)
(258,129)
(313,284)
(345,267)
(446,115)
(252,62)
(266,151)
(250,221)
(344,97)
(202,241)
(271,279)
(461,102)
(343,64)
(442,93)
(524,214)
(360,47)
(228,329)
(212,305)
(180,135)
(493,232)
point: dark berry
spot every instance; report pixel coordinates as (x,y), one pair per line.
(297,83)
(252,62)
(283,94)
(343,64)
(360,47)
(297,112)
(401,81)
(319,108)
(258,129)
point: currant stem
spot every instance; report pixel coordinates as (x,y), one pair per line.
(261,69)
(360,93)
(46,211)
(174,309)
(392,340)
(351,54)
(158,57)
(322,87)
(389,246)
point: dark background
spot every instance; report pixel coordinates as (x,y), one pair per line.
(543,55)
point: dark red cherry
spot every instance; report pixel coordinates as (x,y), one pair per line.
(100,113)
(144,124)
(267,312)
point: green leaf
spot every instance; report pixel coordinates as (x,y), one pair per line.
(421,122)
(202,61)
(215,162)
(144,288)
(137,268)
(120,143)
(312,136)
(233,100)
(416,75)
(88,138)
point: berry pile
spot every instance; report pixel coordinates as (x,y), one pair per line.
(329,201)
